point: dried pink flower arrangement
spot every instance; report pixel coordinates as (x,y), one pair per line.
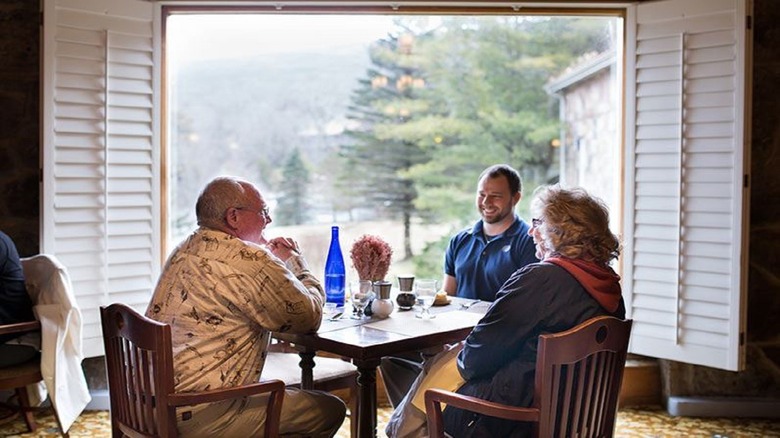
(371,257)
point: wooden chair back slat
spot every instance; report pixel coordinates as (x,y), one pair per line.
(148,388)
(132,387)
(589,414)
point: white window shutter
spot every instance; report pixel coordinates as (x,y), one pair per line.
(101,160)
(684,268)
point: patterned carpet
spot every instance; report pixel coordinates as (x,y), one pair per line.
(632,423)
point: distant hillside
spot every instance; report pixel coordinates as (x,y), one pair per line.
(265,104)
(243,116)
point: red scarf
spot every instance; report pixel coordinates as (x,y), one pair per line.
(601,282)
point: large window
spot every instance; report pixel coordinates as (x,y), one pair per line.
(684,193)
(382,124)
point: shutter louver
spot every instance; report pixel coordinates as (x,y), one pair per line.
(101,167)
(684,260)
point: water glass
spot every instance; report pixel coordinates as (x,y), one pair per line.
(426,294)
(359,294)
(330,311)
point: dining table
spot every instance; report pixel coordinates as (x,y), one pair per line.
(366,340)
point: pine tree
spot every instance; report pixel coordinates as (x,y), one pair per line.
(382,149)
(292,206)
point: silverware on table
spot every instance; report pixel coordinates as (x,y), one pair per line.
(466,306)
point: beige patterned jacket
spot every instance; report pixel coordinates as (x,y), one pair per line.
(222,296)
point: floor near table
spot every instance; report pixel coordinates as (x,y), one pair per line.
(632,422)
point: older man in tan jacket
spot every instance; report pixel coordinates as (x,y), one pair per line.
(223,290)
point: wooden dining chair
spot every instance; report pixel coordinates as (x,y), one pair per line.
(17,377)
(578,377)
(139,363)
(329,373)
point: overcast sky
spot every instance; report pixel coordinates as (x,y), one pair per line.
(198,37)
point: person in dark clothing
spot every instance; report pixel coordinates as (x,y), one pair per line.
(15,304)
(572,283)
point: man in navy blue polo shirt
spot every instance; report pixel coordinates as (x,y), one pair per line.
(481,258)
(478,261)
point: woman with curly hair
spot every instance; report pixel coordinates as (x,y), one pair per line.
(572,283)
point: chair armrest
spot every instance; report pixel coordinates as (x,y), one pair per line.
(196,398)
(20,327)
(279,346)
(434,398)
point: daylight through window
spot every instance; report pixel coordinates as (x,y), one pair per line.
(381,124)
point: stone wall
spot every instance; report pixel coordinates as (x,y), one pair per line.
(590,145)
(20,215)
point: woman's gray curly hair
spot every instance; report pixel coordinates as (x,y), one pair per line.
(575,224)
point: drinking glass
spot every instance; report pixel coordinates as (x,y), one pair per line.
(330,311)
(426,294)
(359,294)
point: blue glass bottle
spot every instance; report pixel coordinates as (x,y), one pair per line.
(334,271)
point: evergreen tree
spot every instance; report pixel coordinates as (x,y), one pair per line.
(490,72)
(292,206)
(382,149)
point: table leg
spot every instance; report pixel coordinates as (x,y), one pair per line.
(366,405)
(307,367)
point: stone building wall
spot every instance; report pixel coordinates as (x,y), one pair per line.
(20,215)
(591,143)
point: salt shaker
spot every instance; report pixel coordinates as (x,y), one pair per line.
(382,306)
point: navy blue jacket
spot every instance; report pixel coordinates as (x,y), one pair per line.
(15,303)
(499,358)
